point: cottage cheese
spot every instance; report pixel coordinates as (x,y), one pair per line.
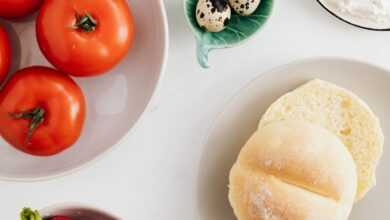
(371,13)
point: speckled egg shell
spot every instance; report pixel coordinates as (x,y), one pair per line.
(212,17)
(244,7)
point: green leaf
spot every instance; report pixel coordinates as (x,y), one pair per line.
(239,29)
(29,214)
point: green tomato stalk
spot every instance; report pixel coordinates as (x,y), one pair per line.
(36,115)
(85,23)
(29,214)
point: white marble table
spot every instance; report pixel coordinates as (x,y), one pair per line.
(153,174)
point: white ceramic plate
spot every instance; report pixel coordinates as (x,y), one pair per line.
(115,100)
(241,117)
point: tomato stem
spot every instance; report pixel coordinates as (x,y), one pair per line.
(37,117)
(85,22)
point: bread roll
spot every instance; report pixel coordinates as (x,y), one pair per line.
(344,114)
(293,170)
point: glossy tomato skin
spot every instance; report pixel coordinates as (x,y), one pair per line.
(76,51)
(5,54)
(18,8)
(60,97)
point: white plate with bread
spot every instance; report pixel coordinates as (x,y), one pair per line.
(303,141)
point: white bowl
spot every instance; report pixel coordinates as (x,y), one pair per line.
(115,101)
(240,119)
(77,211)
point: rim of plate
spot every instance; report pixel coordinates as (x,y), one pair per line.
(349,22)
(278,68)
(271,71)
(152,99)
(76,205)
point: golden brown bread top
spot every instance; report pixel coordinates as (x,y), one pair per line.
(293,170)
(341,112)
(259,196)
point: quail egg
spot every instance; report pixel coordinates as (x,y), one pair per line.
(213,15)
(244,7)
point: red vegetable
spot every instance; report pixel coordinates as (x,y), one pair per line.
(84,37)
(18,8)
(5,54)
(42,111)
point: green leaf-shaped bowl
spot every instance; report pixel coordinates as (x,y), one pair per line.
(239,29)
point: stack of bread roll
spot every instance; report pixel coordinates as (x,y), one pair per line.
(313,156)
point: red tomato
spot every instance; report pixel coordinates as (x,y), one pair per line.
(18,8)
(84,37)
(42,111)
(5,54)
